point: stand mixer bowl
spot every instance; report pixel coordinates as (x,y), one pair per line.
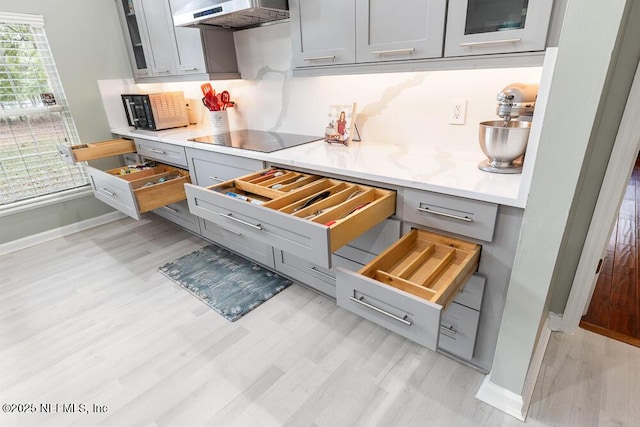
(503,142)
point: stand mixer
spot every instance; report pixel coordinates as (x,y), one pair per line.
(504,141)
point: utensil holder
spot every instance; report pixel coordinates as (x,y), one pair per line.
(219,121)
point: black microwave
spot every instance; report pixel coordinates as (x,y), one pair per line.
(156,111)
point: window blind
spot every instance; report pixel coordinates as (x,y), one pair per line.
(34,115)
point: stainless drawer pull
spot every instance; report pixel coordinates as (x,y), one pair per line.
(63,154)
(104,190)
(315,270)
(155,150)
(394,51)
(230,230)
(381,311)
(175,211)
(320,58)
(189,69)
(228,216)
(215,178)
(449,329)
(461,218)
(490,43)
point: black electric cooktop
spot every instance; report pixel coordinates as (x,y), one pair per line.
(257,140)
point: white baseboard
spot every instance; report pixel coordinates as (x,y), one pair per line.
(556,322)
(45,236)
(501,398)
(507,401)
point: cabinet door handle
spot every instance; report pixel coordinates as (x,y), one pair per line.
(175,211)
(381,311)
(162,71)
(229,230)
(215,178)
(320,58)
(450,329)
(394,51)
(104,190)
(315,270)
(189,69)
(63,154)
(460,218)
(228,216)
(491,43)
(155,150)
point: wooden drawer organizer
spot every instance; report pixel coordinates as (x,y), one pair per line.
(141,191)
(428,265)
(408,286)
(95,150)
(286,209)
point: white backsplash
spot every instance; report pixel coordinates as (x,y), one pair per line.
(403,108)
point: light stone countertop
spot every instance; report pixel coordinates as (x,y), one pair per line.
(425,167)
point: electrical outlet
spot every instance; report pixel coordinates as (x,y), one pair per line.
(458,111)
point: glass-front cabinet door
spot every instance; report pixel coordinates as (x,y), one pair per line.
(133,35)
(480,27)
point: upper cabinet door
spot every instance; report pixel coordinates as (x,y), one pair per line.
(323,32)
(133,35)
(389,30)
(189,54)
(160,40)
(479,27)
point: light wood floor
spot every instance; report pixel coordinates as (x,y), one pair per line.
(87,319)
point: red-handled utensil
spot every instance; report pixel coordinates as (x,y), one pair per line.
(206,88)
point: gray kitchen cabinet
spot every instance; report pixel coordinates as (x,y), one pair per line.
(308,215)
(323,32)
(161,52)
(483,27)
(363,31)
(352,256)
(388,31)
(136,47)
(161,152)
(178,213)
(209,168)
(154,22)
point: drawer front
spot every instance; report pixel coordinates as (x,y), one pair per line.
(309,240)
(364,248)
(458,329)
(471,218)
(95,150)
(178,213)
(162,152)
(238,242)
(471,295)
(113,191)
(310,274)
(396,310)
(216,168)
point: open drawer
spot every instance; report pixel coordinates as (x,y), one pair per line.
(95,150)
(408,286)
(137,190)
(306,215)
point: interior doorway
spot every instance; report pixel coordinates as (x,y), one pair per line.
(614,310)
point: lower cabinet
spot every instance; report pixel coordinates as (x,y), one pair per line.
(352,256)
(238,242)
(408,287)
(178,213)
(134,193)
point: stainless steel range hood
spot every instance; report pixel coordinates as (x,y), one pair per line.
(231,13)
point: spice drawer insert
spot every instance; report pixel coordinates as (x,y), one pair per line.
(95,150)
(141,191)
(306,215)
(407,286)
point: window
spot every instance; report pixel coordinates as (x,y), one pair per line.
(34,116)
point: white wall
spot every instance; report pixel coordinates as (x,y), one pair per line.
(406,108)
